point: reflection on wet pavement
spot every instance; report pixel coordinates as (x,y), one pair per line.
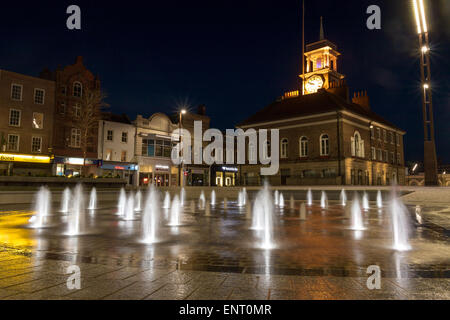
(217,257)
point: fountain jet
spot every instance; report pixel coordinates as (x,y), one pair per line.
(213,198)
(262,217)
(122,202)
(400,225)
(175,212)
(302,211)
(65,200)
(166,203)
(343,197)
(76,214)
(281,201)
(379,200)
(41,207)
(309,198)
(129,207)
(324,200)
(138,201)
(93,199)
(366,205)
(356,219)
(150,217)
(201,200)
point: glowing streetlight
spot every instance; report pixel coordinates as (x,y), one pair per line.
(183,111)
(419,13)
(430,162)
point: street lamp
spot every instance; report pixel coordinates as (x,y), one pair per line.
(180,167)
(430,162)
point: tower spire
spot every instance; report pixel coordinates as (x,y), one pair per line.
(322,36)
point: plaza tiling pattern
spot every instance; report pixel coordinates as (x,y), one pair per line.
(218,257)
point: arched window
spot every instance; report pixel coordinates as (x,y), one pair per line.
(303,147)
(77,89)
(324,145)
(357,145)
(252,153)
(284,148)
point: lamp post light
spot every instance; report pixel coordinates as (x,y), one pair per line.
(430,162)
(181,165)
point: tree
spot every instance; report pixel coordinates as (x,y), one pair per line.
(86,115)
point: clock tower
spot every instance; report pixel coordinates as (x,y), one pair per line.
(321,62)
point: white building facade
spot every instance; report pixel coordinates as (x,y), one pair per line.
(116,148)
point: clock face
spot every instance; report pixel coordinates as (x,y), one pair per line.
(313,84)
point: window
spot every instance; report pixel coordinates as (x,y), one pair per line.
(16,92)
(374,154)
(353,178)
(284,148)
(372,132)
(357,146)
(380,155)
(77,110)
(108,154)
(319,63)
(77,89)
(38,120)
(109,135)
(39,95)
(75,138)
(123,156)
(62,107)
(392,158)
(399,160)
(13,142)
(148,147)
(378,133)
(391,135)
(36,144)
(64,90)
(398,139)
(324,145)
(14,117)
(386,159)
(385,136)
(303,147)
(125,137)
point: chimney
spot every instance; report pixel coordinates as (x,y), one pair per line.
(201,110)
(362,99)
(339,88)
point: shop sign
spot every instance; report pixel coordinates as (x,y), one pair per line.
(24,158)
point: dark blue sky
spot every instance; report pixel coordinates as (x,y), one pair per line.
(234,56)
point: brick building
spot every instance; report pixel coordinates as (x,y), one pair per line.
(71,81)
(26,124)
(326,136)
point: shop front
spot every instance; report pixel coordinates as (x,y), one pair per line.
(196,175)
(160,173)
(123,170)
(224,176)
(24,164)
(73,167)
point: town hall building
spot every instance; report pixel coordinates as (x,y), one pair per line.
(328,137)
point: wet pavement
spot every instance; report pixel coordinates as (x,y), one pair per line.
(219,257)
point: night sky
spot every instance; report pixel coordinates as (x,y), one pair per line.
(235,56)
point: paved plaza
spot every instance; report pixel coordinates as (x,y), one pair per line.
(218,257)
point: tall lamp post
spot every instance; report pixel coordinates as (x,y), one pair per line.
(181,165)
(429,161)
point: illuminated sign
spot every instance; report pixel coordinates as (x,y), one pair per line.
(230,169)
(24,158)
(161,167)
